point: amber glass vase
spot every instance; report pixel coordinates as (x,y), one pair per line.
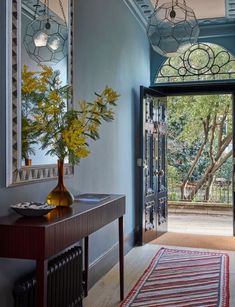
(28,162)
(60,195)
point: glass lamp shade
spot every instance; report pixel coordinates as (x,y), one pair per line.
(46,40)
(172,29)
(40,39)
(54,42)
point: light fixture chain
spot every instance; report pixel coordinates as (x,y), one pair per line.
(46,5)
(156,5)
(62,10)
(36,10)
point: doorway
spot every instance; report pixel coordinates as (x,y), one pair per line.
(200,192)
(161,91)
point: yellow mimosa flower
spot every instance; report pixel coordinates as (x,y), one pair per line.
(64,131)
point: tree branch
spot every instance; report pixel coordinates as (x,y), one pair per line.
(219,163)
(221,126)
(199,153)
(225,144)
(212,139)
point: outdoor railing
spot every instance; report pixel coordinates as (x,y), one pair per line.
(220,192)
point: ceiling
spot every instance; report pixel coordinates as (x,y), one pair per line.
(203,8)
(55,6)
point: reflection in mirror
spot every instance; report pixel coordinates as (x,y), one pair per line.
(38,33)
(44,41)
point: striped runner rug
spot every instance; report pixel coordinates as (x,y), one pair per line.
(182,278)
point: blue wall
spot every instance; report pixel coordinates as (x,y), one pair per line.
(110,48)
(217,31)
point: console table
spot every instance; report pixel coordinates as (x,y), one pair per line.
(42,238)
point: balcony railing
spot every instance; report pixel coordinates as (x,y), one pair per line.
(220,191)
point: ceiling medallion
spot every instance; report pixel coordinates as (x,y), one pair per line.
(172,28)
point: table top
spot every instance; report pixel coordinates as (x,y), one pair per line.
(43,237)
(59,214)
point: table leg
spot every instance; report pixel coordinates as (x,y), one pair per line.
(41,285)
(121,257)
(86,265)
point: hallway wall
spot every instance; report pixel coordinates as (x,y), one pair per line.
(111,48)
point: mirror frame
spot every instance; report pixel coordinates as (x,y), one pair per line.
(16,173)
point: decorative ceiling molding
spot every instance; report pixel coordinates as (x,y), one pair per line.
(141,9)
(230,8)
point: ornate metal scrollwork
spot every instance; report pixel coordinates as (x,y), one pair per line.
(162,215)
(200,62)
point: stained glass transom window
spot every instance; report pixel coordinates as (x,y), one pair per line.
(201,62)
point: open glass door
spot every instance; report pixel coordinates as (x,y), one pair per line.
(151,163)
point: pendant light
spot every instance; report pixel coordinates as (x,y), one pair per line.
(46,37)
(172,28)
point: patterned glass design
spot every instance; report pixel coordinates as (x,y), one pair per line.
(201,62)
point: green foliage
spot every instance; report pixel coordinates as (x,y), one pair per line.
(173,175)
(27,137)
(226,170)
(186,119)
(62,131)
(191,111)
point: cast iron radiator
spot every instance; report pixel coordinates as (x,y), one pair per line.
(64,278)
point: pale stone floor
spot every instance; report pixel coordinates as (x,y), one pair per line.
(201,224)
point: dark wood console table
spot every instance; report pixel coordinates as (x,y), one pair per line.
(41,238)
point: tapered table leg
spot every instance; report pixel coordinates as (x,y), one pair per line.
(121,257)
(86,264)
(41,285)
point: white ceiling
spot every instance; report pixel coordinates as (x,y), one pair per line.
(55,7)
(203,8)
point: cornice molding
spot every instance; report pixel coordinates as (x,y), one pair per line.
(220,27)
(141,9)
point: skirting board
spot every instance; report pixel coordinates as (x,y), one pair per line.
(107,260)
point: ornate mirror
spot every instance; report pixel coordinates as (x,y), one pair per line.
(39,33)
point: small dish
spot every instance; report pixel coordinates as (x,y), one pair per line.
(32,209)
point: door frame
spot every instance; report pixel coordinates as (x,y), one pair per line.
(204,88)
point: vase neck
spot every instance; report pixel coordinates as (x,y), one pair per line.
(60,164)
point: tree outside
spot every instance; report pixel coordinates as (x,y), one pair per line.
(199,127)
(199,144)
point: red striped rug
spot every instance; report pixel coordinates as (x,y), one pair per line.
(182,278)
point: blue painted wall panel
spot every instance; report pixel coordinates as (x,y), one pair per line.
(110,48)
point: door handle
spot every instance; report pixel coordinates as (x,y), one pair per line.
(159,173)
